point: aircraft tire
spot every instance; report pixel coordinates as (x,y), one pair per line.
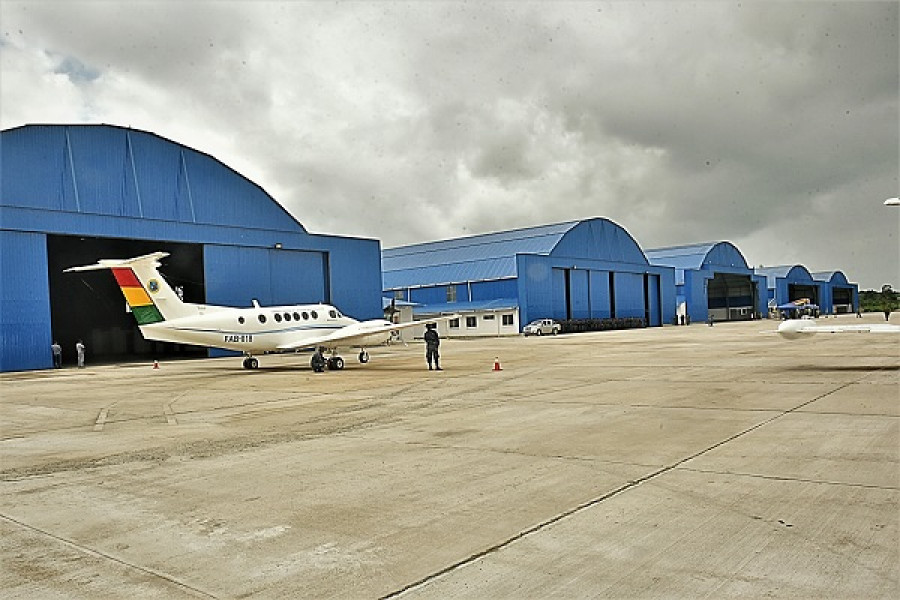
(252,363)
(363,357)
(336,363)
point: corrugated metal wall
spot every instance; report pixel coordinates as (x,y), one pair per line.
(24,302)
(112,182)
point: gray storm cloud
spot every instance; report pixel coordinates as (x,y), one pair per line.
(770,124)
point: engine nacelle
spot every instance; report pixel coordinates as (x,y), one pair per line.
(796,329)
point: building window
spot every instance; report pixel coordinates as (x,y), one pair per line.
(507,319)
(451,293)
(454,323)
(398,295)
(488,317)
(471,322)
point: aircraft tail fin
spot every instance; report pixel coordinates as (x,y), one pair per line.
(148,294)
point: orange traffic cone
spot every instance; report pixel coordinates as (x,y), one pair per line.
(497,364)
(155,364)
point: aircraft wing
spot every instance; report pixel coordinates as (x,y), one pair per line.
(800,328)
(364,333)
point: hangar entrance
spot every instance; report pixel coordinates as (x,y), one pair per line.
(798,291)
(842,300)
(731,297)
(88,305)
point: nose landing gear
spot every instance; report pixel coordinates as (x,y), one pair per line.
(251,363)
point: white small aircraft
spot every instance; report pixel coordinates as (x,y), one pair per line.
(162,316)
(796,329)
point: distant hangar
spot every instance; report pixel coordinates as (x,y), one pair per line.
(713,280)
(72,194)
(592,269)
(588,269)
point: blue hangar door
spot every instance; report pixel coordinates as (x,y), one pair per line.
(571,294)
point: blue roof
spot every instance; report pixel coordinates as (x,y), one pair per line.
(454,307)
(106,170)
(795,272)
(696,256)
(832,277)
(492,256)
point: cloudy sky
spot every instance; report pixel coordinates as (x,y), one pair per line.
(773,125)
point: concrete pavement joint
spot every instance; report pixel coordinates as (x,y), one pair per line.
(103,555)
(888,488)
(593,502)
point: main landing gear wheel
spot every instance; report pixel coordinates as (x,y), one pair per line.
(363,357)
(251,363)
(335,363)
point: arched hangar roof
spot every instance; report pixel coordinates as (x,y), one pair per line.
(493,255)
(790,272)
(832,277)
(107,170)
(697,256)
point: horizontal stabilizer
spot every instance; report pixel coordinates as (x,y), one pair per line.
(113,263)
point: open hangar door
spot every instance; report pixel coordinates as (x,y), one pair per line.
(842,300)
(88,305)
(731,297)
(799,291)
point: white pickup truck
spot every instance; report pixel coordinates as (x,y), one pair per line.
(542,326)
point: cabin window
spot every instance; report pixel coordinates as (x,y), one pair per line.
(305,316)
(296,316)
(277,318)
(332,314)
(314,314)
(287,316)
(262,318)
(241,320)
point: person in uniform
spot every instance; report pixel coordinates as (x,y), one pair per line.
(432,342)
(56,349)
(79,349)
(318,361)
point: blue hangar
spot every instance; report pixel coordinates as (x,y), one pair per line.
(828,290)
(574,270)
(72,194)
(713,280)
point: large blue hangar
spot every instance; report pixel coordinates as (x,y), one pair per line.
(575,270)
(72,194)
(713,280)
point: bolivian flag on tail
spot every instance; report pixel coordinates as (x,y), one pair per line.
(142,306)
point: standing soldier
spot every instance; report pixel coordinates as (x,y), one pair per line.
(56,349)
(79,349)
(432,341)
